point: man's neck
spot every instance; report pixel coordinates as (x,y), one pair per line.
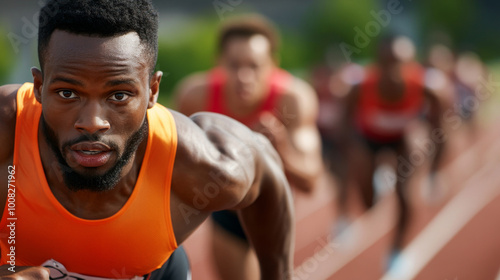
(240,108)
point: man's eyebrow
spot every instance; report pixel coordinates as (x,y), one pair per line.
(120,82)
(66,80)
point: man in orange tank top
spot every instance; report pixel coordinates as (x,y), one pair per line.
(381,110)
(103,183)
(248,85)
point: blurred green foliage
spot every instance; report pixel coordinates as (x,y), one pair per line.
(187,49)
(447,21)
(332,22)
(7,60)
(188,45)
(450,16)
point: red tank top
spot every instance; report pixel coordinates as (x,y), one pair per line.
(384,121)
(136,240)
(278,81)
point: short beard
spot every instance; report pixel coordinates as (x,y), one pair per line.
(87,181)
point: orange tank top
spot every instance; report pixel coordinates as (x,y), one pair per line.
(382,121)
(136,240)
(278,81)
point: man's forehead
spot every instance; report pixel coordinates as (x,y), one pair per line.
(259,43)
(67,43)
(256,43)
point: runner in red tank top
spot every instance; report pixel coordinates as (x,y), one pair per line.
(278,81)
(248,86)
(381,109)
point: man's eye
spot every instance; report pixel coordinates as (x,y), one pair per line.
(119,96)
(67,94)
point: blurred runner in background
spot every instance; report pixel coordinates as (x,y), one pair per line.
(332,80)
(379,114)
(248,85)
(460,75)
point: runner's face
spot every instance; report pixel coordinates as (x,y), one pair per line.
(94,94)
(386,57)
(248,63)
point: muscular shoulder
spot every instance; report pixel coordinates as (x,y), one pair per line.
(191,94)
(209,154)
(299,102)
(8,110)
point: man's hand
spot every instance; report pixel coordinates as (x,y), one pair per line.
(24,273)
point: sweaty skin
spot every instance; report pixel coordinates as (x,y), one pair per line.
(248,63)
(103,87)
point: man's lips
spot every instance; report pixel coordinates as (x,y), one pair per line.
(90,146)
(90,154)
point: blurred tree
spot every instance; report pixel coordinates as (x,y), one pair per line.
(187,49)
(6,56)
(447,18)
(333,22)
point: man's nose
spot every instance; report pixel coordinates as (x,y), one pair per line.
(245,75)
(92,119)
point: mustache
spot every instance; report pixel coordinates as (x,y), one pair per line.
(50,135)
(87,137)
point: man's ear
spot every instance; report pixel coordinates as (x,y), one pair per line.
(37,83)
(154,88)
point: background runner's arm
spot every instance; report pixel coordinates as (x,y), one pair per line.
(347,130)
(292,131)
(434,118)
(191,94)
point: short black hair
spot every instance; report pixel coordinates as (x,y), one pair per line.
(100,18)
(247,26)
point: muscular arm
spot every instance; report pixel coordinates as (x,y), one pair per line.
(8,95)
(295,136)
(8,110)
(434,119)
(232,167)
(347,144)
(349,114)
